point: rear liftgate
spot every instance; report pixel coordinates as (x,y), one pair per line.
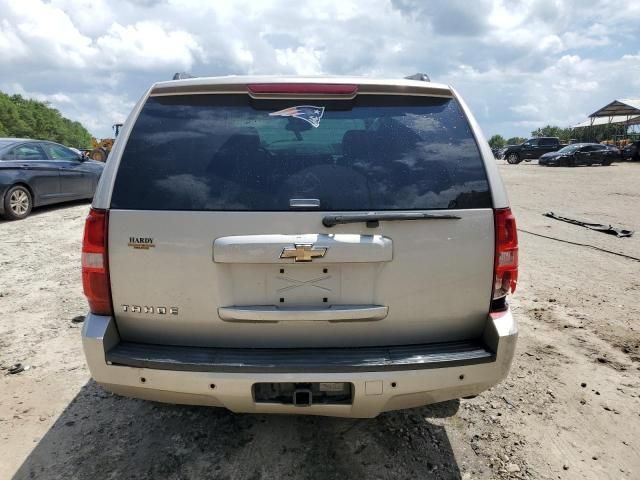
(324,234)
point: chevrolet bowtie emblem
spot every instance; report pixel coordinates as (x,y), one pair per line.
(303,252)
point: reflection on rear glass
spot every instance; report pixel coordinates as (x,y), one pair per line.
(226,152)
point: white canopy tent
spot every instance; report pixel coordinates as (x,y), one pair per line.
(624,114)
(617,119)
(629,107)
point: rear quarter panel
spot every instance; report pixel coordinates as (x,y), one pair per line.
(11,174)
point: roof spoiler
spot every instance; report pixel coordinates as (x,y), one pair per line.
(182,76)
(422,77)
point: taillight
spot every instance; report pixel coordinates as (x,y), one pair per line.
(303,88)
(95,267)
(506,256)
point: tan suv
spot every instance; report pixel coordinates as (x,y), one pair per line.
(331,246)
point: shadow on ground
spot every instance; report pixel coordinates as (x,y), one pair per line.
(100,435)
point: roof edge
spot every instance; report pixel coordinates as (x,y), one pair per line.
(238,84)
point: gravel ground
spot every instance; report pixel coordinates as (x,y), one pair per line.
(569,409)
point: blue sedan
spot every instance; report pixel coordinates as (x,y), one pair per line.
(35,173)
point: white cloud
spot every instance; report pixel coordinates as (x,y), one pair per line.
(57,98)
(11,45)
(596,35)
(518,64)
(148,45)
(48,34)
(243,54)
(99,113)
(302,61)
(90,17)
(527,109)
(550,44)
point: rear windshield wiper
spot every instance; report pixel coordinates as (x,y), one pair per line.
(373,219)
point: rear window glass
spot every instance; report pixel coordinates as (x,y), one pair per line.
(234,153)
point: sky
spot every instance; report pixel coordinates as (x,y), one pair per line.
(519,64)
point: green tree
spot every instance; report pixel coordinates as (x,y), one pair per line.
(516,140)
(563,134)
(497,141)
(600,133)
(23,117)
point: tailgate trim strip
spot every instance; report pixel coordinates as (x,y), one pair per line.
(274,313)
(297,360)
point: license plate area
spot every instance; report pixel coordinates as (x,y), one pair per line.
(297,284)
(304,394)
(304,284)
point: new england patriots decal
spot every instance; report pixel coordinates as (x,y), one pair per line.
(308,113)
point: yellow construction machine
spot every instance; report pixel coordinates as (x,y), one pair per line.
(100,148)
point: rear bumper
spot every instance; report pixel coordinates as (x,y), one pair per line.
(383,379)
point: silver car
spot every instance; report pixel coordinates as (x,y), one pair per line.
(331,246)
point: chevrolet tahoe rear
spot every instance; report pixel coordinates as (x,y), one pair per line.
(330,246)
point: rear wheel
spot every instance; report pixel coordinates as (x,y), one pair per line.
(17,203)
(513,158)
(607,162)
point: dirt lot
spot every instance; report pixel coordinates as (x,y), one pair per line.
(569,409)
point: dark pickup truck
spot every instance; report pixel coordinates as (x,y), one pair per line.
(532,149)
